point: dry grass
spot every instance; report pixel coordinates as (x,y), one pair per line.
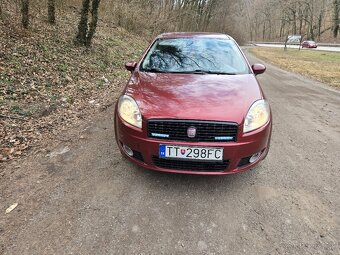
(322,66)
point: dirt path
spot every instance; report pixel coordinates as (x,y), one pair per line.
(88,200)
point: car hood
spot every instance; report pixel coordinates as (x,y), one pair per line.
(194,96)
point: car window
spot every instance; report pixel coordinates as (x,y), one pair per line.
(185,55)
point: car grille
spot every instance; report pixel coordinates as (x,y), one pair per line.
(206,131)
(199,166)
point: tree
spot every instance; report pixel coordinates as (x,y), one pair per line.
(87,30)
(25,13)
(336,19)
(82,26)
(51,11)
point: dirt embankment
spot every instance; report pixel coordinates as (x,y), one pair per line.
(47,84)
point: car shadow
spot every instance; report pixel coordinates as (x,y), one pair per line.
(186,182)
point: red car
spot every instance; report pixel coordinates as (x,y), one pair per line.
(309,44)
(193,105)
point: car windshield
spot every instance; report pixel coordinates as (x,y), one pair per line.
(195,55)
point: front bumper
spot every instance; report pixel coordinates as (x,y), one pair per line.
(235,155)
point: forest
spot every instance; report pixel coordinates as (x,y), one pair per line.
(245,20)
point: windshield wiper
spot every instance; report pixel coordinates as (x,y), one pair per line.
(153,70)
(198,71)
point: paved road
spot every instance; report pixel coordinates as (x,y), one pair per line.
(88,200)
(319,48)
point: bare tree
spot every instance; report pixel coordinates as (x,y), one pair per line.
(87,30)
(156,16)
(25,13)
(51,11)
(275,19)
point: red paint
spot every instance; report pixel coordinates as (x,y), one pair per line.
(130,66)
(309,44)
(258,69)
(193,97)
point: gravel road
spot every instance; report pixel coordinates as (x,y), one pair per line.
(81,197)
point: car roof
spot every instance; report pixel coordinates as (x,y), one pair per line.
(193,34)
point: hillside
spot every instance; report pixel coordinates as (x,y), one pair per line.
(47,84)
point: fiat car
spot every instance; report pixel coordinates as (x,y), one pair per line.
(193,105)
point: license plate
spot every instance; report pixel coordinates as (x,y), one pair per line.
(190,153)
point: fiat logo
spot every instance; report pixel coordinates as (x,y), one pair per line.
(191,132)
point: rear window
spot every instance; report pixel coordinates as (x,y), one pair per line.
(187,55)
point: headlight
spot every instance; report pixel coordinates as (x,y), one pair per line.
(257,116)
(129,111)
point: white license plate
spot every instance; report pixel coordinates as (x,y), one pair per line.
(190,153)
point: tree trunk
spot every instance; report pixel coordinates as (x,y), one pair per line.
(320,19)
(87,30)
(286,41)
(51,11)
(319,25)
(300,18)
(311,31)
(336,20)
(312,22)
(93,24)
(24,13)
(256,29)
(300,26)
(281,29)
(82,27)
(264,31)
(294,22)
(270,36)
(251,32)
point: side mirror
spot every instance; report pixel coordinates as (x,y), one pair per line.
(131,66)
(258,68)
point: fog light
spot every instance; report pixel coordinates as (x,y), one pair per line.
(254,157)
(128,150)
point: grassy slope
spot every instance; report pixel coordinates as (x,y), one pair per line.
(322,66)
(47,84)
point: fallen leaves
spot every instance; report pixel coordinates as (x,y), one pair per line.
(47,84)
